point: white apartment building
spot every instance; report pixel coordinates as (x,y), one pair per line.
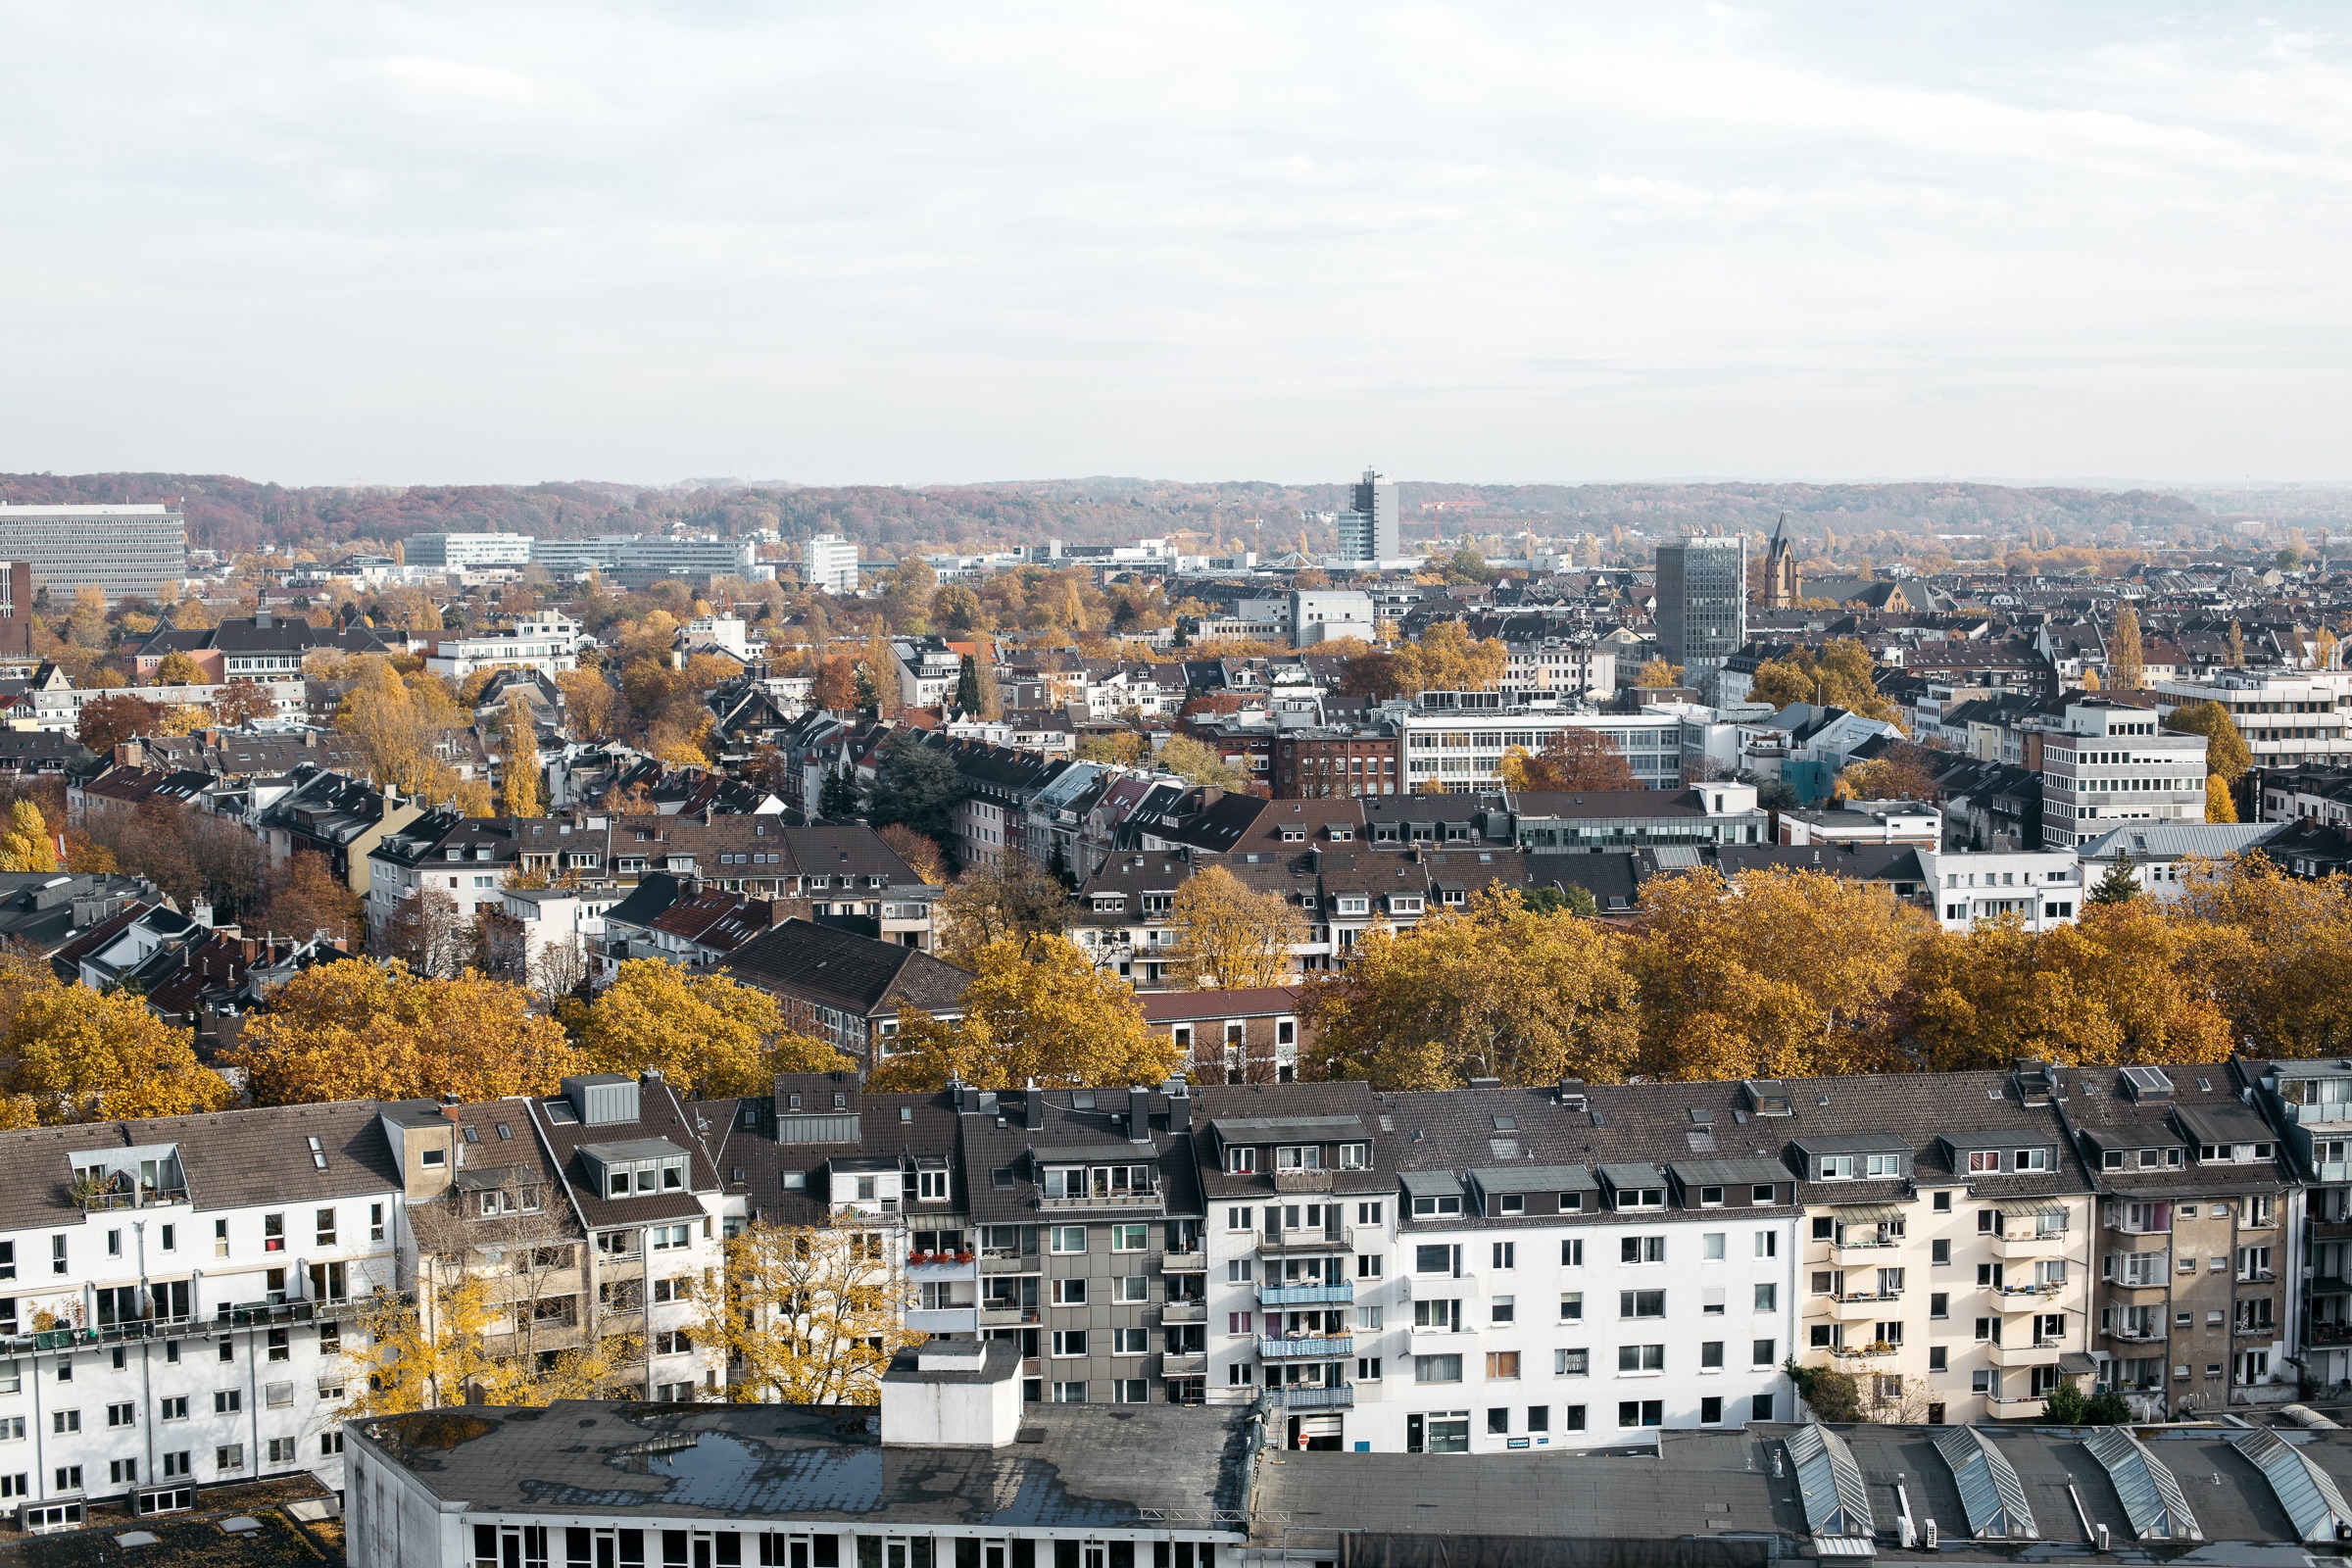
(828,561)
(1456,741)
(2111,765)
(2041,889)
(2287,718)
(1568,664)
(548,642)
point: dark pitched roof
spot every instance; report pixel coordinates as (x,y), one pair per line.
(841,970)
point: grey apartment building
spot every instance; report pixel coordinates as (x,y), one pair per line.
(124,549)
(1702,604)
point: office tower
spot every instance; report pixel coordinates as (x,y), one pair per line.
(1702,604)
(124,550)
(830,561)
(1368,531)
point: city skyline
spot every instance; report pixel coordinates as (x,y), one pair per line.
(412,244)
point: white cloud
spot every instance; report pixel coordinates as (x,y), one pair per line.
(915,242)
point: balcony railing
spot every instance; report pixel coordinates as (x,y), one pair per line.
(1325,1346)
(1279,1243)
(2257,1331)
(1860,1353)
(1183,1363)
(1008,1317)
(1302,1181)
(94,1203)
(1148,1198)
(1301,1396)
(1342,1294)
(1193,1259)
(1184,1312)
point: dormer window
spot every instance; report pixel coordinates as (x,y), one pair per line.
(1642,1198)
(2033,1159)
(1355,1157)
(1347,906)
(1510,1203)
(1299,1156)
(1432,1208)
(1294,835)
(1835,1168)
(1240,1161)
(1984,1160)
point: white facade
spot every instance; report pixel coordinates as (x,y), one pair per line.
(548,642)
(1461,750)
(2113,766)
(2042,889)
(1319,615)
(460,551)
(830,562)
(2286,719)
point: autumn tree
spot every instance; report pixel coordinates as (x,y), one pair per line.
(178,670)
(240,703)
(522,746)
(919,851)
(1895,775)
(1572,760)
(588,703)
(1494,990)
(1448,659)
(27,845)
(835,688)
(107,721)
(2126,660)
(1013,901)
(456,1343)
(306,896)
(1791,973)
(1123,748)
(2226,751)
(429,933)
(1037,1009)
(709,1036)
(1659,674)
(1232,936)
(74,1054)
(362,1030)
(2220,805)
(1195,763)
(808,1314)
(1839,675)
(2274,952)
(400,724)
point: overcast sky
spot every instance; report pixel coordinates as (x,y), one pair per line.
(910,243)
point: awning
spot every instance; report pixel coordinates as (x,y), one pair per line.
(1867,1213)
(2076,1363)
(2030,1207)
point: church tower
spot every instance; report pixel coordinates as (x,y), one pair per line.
(1780,569)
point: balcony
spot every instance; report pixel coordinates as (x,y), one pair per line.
(1146,1198)
(2032,1244)
(2328,1334)
(2017,1406)
(1187,1260)
(2141,1334)
(2158,1281)
(1300,1396)
(1008,1317)
(1184,1312)
(921,1266)
(1183,1364)
(1295,1244)
(1340,1294)
(943,1320)
(2023,1297)
(2332,1230)
(99,1201)
(1324,1347)
(1302,1181)
(2256,1331)
(1864,1308)
(1859,1254)
(1008,1263)
(1870,1354)
(2031,1353)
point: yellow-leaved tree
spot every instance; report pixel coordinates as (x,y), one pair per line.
(1792,973)
(2274,952)
(1494,990)
(1037,1009)
(26,846)
(809,1314)
(521,776)
(362,1030)
(1231,935)
(709,1036)
(74,1054)
(458,1343)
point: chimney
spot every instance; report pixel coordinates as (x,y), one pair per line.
(1034,1114)
(1139,1114)
(952,1394)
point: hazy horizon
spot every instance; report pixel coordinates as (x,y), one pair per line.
(410,243)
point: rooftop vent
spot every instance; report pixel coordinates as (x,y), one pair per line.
(1768,1096)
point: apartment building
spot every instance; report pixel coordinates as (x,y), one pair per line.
(1456,741)
(2190,1306)
(178,1293)
(2040,889)
(2111,763)
(1949,1241)
(2287,718)
(1575,1270)
(2310,1104)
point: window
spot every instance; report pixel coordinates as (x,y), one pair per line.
(1505,1309)
(274,1233)
(1068,1238)
(1367,1369)
(1768,1298)
(122,1415)
(1369,1266)
(1069,1342)
(56,1253)
(1710,1355)
(1759,1407)
(1983,1159)
(1572,1307)
(1238,1270)
(2033,1159)
(1575,1364)
(1939,1304)
(1768,1243)
(1129,1341)
(69,1478)
(1711,1247)
(1507,1254)
(175,1464)
(1939,1251)
(376,1222)
(220,1238)
(1641,1413)
(1641,1303)
(2253,1262)
(326,1228)
(1640,1358)
(1571,1253)
(1641,1250)
(64,1421)
(1131,1290)
(1437,1370)
(1237,1322)
(1240,1218)
(230,1456)
(1240,1161)
(1130,1237)
(1069,1293)
(1502,1365)
(1069,1394)
(227,1401)
(1760,1354)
